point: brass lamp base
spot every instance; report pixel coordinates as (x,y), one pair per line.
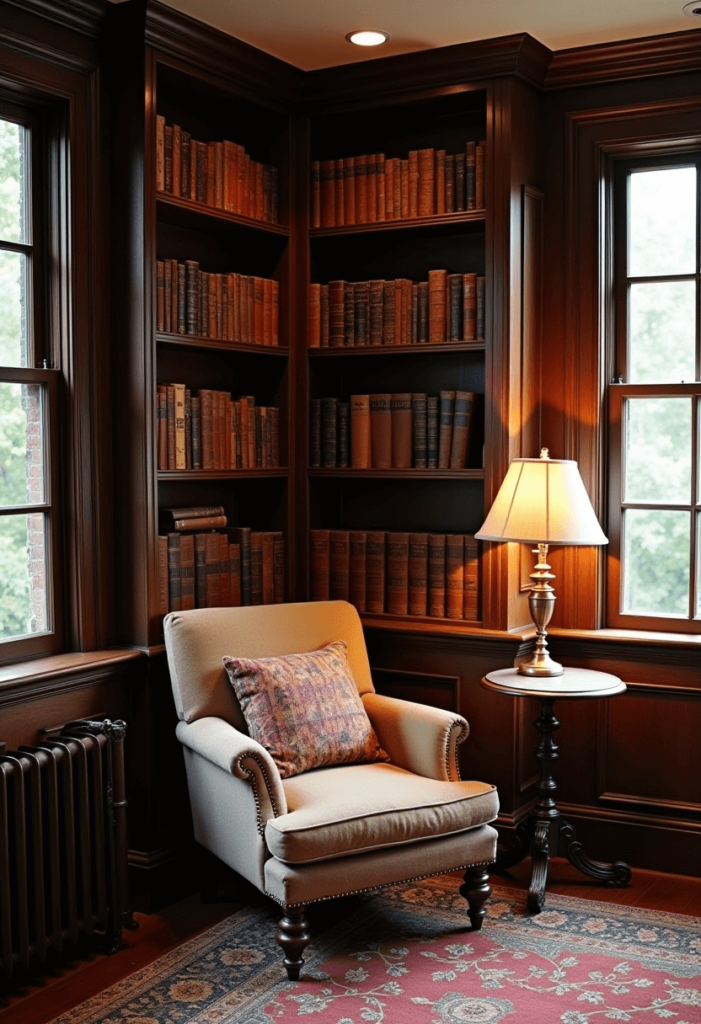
(541,603)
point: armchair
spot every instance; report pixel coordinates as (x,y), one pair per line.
(331,831)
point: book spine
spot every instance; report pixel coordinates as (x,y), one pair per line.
(256,568)
(414,314)
(445,428)
(375,575)
(361,189)
(339,565)
(440,181)
(471,579)
(202,159)
(211,173)
(219,175)
(163,604)
(167,295)
(203,523)
(357,568)
(349,190)
(349,314)
(376,312)
(449,184)
(479,314)
(401,431)
(459,182)
(381,176)
(389,189)
(170,415)
(192,274)
(462,425)
(324,316)
(339,194)
(469,307)
(403,189)
(212,570)
(362,312)
(235,574)
(276,313)
(479,176)
(398,573)
(174,574)
(162,425)
(432,431)
(274,195)
(336,314)
(168,161)
(437,324)
(427,182)
(182,298)
(278,567)
(454,576)
(388,336)
(470,175)
(381,431)
(243,536)
(185,165)
(372,188)
(436,575)
(422,313)
(160,296)
(267,192)
(160,153)
(274,427)
(179,438)
(413,163)
(257,419)
(418,573)
(320,571)
(188,429)
(314,315)
(360,431)
(418,420)
(200,570)
(268,568)
(327,175)
(207,428)
(455,304)
(187,572)
(315,434)
(398,313)
(343,438)
(329,412)
(193,511)
(196,430)
(251,440)
(406,311)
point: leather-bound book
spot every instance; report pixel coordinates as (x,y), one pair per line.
(432,431)
(192,191)
(455,303)
(459,182)
(327,184)
(170,417)
(168,164)
(201,570)
(388,335)
(440,181)
(200,523)
(316,193)
(259,299)
(361,189)
(375,571)
(177,152)
(349,313)
(278,567)
(328,432)
(404,189)
(226,282)
(470,175)
(174,573)
(471,578)
(389,188)
(274,425)
(462,427)
(418,573)
(267,192)
(479,176)
(245,334)
(406,311)
(315,433)
(314,340)
(167,296)
(179,437)
(381,175)
(449,183)
(324,316)
(268,563)
(422,312)
(414,313)
(206,426)
(371,201)
(235,575)
(479,314)
(436,575)
(398,573)
(276,313)
(398,312)
(182,298)
(243,417)
(231,173)
(238,436)
(171,515)
(413,183)
(267,311)
(216,431)
(377,290)
(202,171)
(188,429)
(257,413)
(360,431)
(160,295)
(162,425)
(418,422)
(343,439)
(236,293)
(402,441)
(381,431)
(362,312)
(357,568)
(320,568)
(445,428)
(349,190)
(454,575)
(212,569)
(163,608)
(211,173)
(242,183)
(185,165)
(242,536)
(339,565)
(427,182)
(211,281)
(469,307)
(160,153)
(224,572)
(274,195)
(256,567)
(339,193)
(437,319)
(251,402)
(336,313)
(219,175)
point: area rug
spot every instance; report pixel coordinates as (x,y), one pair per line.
(405,956)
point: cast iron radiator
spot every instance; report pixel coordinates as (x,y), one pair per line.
(63,845)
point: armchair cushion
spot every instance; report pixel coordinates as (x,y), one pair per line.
(305,709)
(353,809)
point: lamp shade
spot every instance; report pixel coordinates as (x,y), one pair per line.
(543,501)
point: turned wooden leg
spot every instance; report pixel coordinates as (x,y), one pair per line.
(293,935)
(476,890)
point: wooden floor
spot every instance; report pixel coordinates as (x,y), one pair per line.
(71,982)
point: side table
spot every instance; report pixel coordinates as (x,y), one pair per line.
(533,834)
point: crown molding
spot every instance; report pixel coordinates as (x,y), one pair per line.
(84,16)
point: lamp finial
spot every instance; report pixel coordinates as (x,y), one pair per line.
(545,453)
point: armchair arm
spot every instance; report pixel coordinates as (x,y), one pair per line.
(419,738)
(226,747)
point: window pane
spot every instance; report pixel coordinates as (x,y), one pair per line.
(23,576)
(662,222)
(661,341)
(12,182)
(13,309)
(21,445)
(656,562)
(657,450)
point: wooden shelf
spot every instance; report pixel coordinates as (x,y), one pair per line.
(217,345)
(438,220)
(399,350)
(221,474)
(188,213)
(400,474)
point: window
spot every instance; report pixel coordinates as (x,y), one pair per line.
(655,400)
(29,611)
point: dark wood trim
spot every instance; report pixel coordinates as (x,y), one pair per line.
(85,16)
(210,215)
(398,350)
(400,474)
(60,667)
(194,342)
(435,220)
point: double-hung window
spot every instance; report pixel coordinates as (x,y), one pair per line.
(655,400)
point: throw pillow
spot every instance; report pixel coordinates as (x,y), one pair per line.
(305,709)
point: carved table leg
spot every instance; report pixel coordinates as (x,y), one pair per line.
(520,847)
(476,890)
(540,855)
(615,875)
(293,935)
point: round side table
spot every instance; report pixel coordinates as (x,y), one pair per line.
(533,834)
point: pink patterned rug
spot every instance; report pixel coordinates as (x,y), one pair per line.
(405,957)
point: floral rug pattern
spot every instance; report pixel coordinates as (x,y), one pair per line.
(405,957)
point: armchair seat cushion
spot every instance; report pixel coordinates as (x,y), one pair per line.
(333,812)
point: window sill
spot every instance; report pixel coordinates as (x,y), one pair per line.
(62,666)
(634,637)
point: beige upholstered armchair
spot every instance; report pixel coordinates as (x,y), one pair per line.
(331,831)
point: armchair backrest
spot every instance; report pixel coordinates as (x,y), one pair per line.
(196,642)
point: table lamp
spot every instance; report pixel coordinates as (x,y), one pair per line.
(542,501)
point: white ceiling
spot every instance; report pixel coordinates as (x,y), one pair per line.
(310,33)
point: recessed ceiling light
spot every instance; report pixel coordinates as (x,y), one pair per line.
(368,38)
(693,10)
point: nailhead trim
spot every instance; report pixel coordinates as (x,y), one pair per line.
(449,767)
(249,772)
(374,888)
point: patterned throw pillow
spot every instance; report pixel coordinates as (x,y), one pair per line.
(305,709)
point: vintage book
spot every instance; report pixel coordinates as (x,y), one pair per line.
(268,567)
(251,402)
(414,314)
(160,295)
(336,313)
(320,568)
(445,428)
(469,307)
(371,188)
(267,311)
(329,414)
(388,335)
(324,317)
(479,176)
(230,175)
(276,313)
(200,541)
(191,512)
(316,194)
(278,567)
(163,602)
(242,536)
(454,576)
(274,195)
(196,432)
(274,425)
(470,175)
(399,312)
(349,314)
(339,192)
(361,189)
(327,180)
(260,447)
(167,296)
(361,313)
(459,182)
(418,573)
(432,431)
(259,311)
(192,301)
(479,313)
(192,189)
(422,312)
(462,426)
(437,315)
(162,425)
(339,565)
(440,181)
(219,176)
(213,569)
(202,171)
(471,578)
(315,433)
(397,198)
(343,435)
(235,575)
(224,572)
(349,190)
(389,188)
(314,340)
(185,164)
(256,567)
(360,431)
(427,182)
(203,523)
(449,183)
(455,303)
(381,431)
(413,168)
(404,189)
(211,173)
(182,298)
(170,413)
(357,568)
(168,161)
(179,435)
(380,175)
(375,571)
(188,429)
(160,153)
(402,441)
(376,289)
(398,573)
(174,572)
(436,575)
(419,438)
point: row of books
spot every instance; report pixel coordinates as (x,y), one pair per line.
(434,574)
(399,431)
(216,568)
(217,174)
(228,307)
(212,430)
(373,188)
(446,308)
